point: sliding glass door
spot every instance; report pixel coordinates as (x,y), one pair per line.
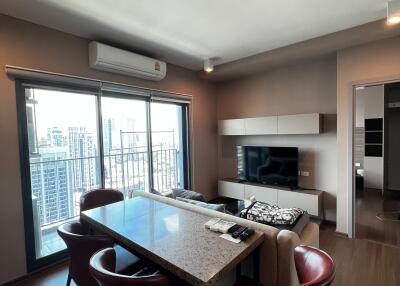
(125,136)
(73,140)
(168,141)
(63,160)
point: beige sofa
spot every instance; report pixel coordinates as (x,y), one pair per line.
(276,253)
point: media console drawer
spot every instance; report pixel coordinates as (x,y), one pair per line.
(308,200)
(263,194)
(231,190)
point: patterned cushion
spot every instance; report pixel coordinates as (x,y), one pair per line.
(271,214)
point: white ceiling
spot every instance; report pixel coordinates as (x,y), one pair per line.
(184,32)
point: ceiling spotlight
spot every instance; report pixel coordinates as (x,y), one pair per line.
(393,12)
(208,65)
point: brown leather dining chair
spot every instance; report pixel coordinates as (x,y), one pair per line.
(102,267)
(81,247)
(127,263)
(314,268)
(99,197)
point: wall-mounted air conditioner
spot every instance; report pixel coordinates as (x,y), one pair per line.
(107,58)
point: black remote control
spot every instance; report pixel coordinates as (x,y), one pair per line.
(234,228)
(238,232)
(246,234)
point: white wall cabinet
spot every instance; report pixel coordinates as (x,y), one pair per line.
(299,124)
(231,127)
(273,125)
(261,125)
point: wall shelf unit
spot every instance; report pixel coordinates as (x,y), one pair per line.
(273,125)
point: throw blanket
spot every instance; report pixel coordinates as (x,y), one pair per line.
(271,214)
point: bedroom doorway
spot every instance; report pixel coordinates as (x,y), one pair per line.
(376,163)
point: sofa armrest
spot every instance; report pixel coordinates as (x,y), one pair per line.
(287,242)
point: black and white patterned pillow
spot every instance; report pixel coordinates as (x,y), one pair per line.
(271,214)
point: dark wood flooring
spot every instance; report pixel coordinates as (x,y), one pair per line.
(361,262)
(369,203)
(54,276)
(358,262)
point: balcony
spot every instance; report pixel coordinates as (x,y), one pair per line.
(58,184)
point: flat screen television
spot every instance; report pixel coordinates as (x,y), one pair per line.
(268,165)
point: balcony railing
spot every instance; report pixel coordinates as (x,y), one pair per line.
(58,184)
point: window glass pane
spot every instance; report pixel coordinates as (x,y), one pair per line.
(167,142)
(63,158)
(125,144)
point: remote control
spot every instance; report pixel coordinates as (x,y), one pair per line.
(246,234)
(238,232)
(234,228)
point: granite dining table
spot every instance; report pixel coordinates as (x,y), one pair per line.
(174,239)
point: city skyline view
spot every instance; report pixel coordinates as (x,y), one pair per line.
(65,152)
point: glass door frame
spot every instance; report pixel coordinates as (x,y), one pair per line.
(186,158)
(121,95)
(32,262)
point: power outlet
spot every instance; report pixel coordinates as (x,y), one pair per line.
(304,173)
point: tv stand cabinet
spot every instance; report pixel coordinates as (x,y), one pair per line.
(309,200)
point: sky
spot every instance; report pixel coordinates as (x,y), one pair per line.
(68,109)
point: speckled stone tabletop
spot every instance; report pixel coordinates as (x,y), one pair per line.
(171,237)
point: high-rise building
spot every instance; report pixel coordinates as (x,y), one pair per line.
(82,151)
(49,181)
(108,132)
(55,137)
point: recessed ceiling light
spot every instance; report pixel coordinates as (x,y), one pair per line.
(393,12)
(208,65)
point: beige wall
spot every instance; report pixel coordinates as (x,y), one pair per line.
(305,88)
(370,63)
(27,45)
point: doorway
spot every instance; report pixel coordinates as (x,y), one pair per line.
(377,163)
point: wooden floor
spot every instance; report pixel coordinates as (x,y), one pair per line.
(358,262)
(369,203)
(361,261)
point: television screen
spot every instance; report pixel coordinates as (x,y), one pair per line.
(268,165)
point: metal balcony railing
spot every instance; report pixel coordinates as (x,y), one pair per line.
(58,184)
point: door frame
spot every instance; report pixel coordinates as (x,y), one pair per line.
(351,100)
(32,262)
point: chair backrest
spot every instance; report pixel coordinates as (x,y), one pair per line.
(102,268)
(99,197)
(81,248)
(314,266)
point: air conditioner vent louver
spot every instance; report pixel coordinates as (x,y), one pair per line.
(107,58)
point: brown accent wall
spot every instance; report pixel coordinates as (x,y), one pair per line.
(305,88)
(32,46)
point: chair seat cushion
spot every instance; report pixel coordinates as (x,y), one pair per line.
(127,263)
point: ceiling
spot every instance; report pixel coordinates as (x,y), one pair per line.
(186,32)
